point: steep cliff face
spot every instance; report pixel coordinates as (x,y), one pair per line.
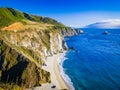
(17,69)
(45,42)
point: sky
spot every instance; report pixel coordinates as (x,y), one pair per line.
(74,13)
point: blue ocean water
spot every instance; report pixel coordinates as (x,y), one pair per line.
(95,62)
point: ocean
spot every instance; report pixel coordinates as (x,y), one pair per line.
(94,64)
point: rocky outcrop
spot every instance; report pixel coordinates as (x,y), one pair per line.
(70,32)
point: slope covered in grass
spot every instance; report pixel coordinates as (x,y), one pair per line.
(10,15)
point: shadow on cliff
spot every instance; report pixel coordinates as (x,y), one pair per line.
(1,61)
(14,74)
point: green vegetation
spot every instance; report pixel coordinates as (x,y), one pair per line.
(45,38)
(10,87)
(9,16)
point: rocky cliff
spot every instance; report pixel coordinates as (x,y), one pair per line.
(17,68)
(22,55)
(24,45)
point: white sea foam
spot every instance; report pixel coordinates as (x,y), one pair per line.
(62,71)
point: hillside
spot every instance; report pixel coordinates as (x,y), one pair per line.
(9,16)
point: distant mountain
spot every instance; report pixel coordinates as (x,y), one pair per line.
(106,24)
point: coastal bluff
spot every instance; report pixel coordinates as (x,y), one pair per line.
(25,42)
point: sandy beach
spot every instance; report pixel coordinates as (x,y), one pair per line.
(56,78)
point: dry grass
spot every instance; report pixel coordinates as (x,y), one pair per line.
(29,25)
(36,25)
(14,26)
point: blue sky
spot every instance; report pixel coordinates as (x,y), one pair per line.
(76,13)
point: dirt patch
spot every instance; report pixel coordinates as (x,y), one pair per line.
(14,26)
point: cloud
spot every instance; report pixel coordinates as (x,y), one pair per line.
(109,23)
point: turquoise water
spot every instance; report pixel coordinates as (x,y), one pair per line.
(95,62)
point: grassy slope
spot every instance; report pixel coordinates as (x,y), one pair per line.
(9,16)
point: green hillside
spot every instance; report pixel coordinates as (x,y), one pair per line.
(10,15)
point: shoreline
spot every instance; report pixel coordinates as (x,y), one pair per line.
(57,79)
(64,76)
(62,82)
